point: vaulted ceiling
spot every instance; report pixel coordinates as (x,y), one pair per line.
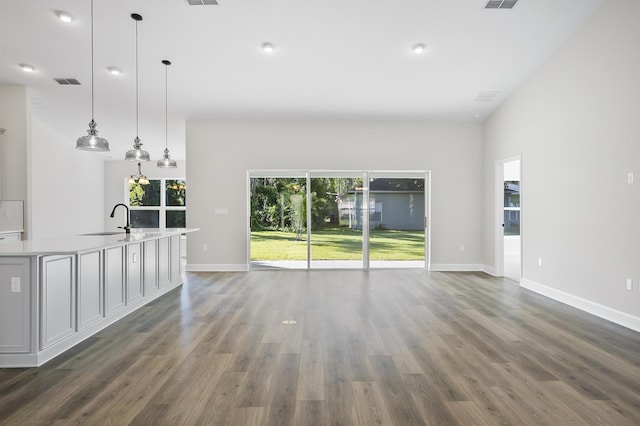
(332,59)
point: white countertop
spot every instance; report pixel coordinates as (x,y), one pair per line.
(81,243)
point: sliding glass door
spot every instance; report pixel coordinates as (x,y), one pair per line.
(338,220)
(330,219)
(278,223)
(397,207)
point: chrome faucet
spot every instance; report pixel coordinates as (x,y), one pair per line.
(126,228)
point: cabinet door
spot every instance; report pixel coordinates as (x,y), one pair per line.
(15,305)
(150,260)
(164,268)
(113,279)
(89,288)
(57,292)
(176,272)
(134,272)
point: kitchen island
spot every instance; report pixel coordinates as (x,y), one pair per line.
(55,293)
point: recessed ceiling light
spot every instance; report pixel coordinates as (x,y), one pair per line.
(64,16)
(419,48)
(27,68)
(268,47)
(114,70)
(477,115)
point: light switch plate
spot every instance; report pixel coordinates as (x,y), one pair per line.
(15,284)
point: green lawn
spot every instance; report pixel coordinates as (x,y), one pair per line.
(337,244)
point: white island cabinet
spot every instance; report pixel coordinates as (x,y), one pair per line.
(89,295)
(56,293)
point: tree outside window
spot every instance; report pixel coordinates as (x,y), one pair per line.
(161,204)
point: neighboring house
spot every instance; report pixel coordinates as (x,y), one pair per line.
(512,207)
(393,204)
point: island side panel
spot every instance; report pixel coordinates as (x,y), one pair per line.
(58,298)
(90,288)
(114,279)
(15,304)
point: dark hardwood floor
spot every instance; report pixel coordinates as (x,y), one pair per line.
(388,347)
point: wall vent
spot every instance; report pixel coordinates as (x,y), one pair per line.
(202,2)
(501,4)
(487,96)
(67,81)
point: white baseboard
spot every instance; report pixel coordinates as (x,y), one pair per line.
(216,267)
(456,267)
(593,308)
(489,270)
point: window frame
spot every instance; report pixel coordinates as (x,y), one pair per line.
(162,208)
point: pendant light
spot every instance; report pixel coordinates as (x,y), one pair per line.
(137,153)
(91,142)
(139,178)
(166,162)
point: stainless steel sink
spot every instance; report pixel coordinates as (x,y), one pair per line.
(97,234)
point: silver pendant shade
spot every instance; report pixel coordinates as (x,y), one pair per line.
(137,153)
(92,142)
(165,162)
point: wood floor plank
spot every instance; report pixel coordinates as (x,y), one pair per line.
(222,403)
(310,413)
(282,400)
(398,400)
(339,404)
(401,355)
(428,400)
(396,347)
(311,374)
(114,406)
(369,403)
(530,396)
(596,413)
(151,415)
(248,416)
(467,413)
(255,390)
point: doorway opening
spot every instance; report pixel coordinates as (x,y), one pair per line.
(338,219)
(509,240)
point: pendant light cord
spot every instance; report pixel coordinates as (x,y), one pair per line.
(136,78)
(166,106)
(92,114)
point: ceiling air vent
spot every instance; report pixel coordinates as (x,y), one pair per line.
(501,4)
(66,81)
(486,96)
(202,2)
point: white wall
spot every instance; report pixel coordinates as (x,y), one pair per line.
(14,147)
(576,124)
(66,185)
(219,153)
(115,188)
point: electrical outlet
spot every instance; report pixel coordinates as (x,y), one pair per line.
(629,284)
(15,284)
(205,247)
(461,247)
(539,261)
(630,178)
